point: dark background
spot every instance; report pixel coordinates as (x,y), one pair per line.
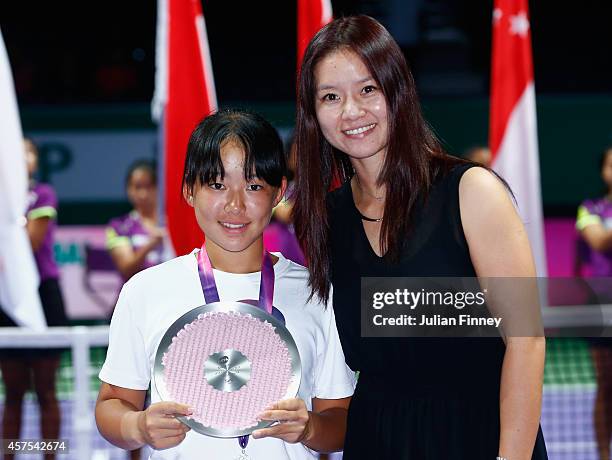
(91,65)
(103,52)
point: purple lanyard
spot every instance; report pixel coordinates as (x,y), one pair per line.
(266,292)
(266,284)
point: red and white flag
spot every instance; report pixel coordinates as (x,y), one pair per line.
(184,94)
(18,274)
(513,126)
(312,15)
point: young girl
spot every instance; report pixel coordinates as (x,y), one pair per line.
(594,223)
(21,366)
(234,176)
(135,241)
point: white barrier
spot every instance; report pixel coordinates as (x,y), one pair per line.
(80,339)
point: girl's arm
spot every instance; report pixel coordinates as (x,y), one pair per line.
(130,261)
(283,211)
(122,421)
(499,247)
(321,429)
(597,236)
(37,229)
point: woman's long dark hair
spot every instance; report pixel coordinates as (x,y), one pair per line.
(413,158)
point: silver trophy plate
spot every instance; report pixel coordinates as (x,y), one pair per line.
(227,370)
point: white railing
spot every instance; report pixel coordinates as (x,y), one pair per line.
(573,316)
(80,339)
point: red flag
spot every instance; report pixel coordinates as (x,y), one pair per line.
(312,15)
(185,93)
(513,126)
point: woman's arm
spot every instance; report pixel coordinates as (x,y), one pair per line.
(321,429)
(37,229)
(283,211)
(499,247)
(129,261)
(597,236)
(122,421)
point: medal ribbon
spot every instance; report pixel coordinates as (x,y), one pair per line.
(266,292)
(266,284)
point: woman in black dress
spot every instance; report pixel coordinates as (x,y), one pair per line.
(405,208)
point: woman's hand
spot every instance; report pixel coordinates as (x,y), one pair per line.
(157,236)
(159,427)
(293,418)
(130,261)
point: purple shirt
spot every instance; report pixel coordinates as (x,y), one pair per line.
(42,203)
(129,230)
(597,212)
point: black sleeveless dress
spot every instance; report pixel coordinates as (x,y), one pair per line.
(416,398)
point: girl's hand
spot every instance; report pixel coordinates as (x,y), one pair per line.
(159,427)
(157,235)
(293,418)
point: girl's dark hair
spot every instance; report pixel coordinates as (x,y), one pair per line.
(413,154)
(263,148)
(150,166)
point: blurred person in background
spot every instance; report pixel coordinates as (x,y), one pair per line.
(22,366)
(594,222)
(279,236)
(135,241)
(479,154)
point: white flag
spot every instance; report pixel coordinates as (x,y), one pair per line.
(18,274)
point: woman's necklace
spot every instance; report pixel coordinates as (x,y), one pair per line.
(369,219)
(378,198)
